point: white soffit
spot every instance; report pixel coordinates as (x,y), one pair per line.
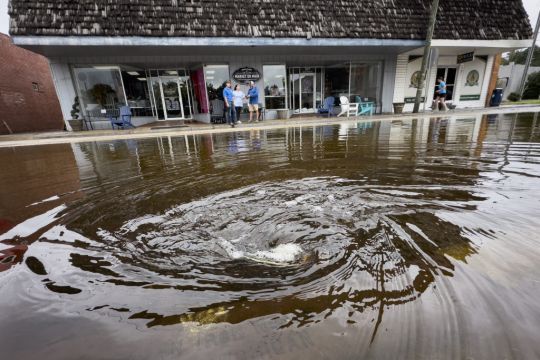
(486,44)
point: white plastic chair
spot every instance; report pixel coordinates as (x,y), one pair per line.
(351,109)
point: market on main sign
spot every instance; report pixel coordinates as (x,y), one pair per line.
(246,74)
(463,58)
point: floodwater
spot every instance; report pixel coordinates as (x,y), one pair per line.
(413,239)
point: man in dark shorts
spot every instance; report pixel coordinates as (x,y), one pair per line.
(441,95)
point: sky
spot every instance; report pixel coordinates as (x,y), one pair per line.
(532,7)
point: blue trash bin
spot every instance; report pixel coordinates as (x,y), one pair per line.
(496,98)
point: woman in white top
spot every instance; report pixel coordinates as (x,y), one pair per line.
(238,101)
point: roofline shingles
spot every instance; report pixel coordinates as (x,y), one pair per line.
(371,19)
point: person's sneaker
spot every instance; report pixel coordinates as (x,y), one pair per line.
(239,122)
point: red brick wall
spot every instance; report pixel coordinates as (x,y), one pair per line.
(28,101)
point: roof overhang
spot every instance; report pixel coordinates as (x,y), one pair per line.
(74,46)
(480,47)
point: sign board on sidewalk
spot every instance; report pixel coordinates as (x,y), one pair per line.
(463,58)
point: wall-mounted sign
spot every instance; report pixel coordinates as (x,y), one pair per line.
(463,58)
(412,100)
(415,79)
(246,74)
(469,97)
(472,78)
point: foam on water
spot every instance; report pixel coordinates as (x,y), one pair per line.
(281,254)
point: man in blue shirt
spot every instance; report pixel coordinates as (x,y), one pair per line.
(441,95)
(229,107)
(253,96)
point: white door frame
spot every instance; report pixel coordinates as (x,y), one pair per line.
(176,79)
(313,93)
(301,76)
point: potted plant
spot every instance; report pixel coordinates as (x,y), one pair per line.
(76,122)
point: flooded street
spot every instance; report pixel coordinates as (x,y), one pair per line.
(409,239)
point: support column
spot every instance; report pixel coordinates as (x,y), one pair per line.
(64,89)
(494,77)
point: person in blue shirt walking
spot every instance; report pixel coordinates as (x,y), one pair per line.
(253,104)
(229,106)
(441,95)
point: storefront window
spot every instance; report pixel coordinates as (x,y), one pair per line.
(336,81)
(275,89)
(137,93)
(99,88)
(365,82)
(216,76)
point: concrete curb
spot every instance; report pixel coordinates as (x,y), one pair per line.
(144,133)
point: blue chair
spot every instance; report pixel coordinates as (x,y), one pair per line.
(328,106)
(365,107)
(123,120)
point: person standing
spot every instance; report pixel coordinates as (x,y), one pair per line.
(441,94)
(253,96)
(238,99)
(229,105)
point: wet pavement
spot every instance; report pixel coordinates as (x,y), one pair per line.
(165,128)
(411,238)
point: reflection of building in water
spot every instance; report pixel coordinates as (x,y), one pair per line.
(34,180)
(31,175)
(408,131)
(448,129)
(512,127)
(462,130)
(500,127)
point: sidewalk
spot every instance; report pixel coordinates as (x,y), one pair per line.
(45,138)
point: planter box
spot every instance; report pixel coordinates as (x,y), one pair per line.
(76,124)
(398,108)
(283,114)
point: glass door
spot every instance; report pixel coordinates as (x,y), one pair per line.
(307,93)
(171,94)
(171,98)
(157,102)
(186,97)
(303,91)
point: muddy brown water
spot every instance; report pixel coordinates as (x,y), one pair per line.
(411,239)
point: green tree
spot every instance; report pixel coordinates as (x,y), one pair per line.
(532,89)
(520,57)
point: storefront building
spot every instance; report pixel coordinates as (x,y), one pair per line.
(467,69)
(181,87)
(168,60)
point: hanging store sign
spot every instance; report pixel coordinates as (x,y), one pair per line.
(463,58)
(246,74)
